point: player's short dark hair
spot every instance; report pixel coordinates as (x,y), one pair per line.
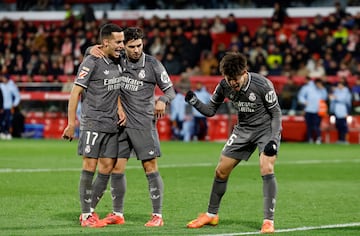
(233,64)
(133,33)
(107,30)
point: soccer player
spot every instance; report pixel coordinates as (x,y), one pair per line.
(259,125)
(141,73)
(98,84)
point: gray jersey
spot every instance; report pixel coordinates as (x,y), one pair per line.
(256,103)
(100,78)
(138,83)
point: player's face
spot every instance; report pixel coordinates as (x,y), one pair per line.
(134,49)
(116,44)
(238,81)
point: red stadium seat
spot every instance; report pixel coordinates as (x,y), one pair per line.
(328,129)
(354,129)
(218,127)
(164,128)
(294,128)
(54,127)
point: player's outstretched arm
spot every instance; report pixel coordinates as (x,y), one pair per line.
(208,109)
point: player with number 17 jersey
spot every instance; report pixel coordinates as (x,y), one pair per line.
(100,78)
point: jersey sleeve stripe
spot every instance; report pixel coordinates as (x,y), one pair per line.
(77,83)
(167,87)
(272,106)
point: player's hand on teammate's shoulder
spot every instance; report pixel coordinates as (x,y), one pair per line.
(96,51)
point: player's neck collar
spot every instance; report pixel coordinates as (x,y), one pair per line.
(138,63)
(247,84)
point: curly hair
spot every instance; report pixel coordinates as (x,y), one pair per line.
(233,64)
(133,33)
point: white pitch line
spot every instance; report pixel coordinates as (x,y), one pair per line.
(303,162)
(305,228)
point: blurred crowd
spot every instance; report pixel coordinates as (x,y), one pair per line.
(324,45)
(48,5)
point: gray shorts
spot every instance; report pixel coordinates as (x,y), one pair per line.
(145,143)
(243,141)
(96,144)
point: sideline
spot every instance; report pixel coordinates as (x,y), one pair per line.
(305,228)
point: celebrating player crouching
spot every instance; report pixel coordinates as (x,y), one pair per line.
(259,125)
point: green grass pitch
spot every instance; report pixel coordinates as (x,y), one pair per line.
(318,186)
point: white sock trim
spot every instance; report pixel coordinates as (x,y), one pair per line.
(118,214)
(210,214)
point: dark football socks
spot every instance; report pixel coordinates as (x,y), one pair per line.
(269,191)
(156,190)
(217,192)
(118,189)
(85,190)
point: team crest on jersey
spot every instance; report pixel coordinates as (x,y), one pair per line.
(165,77)
(252,97)
(87,149)
(270,97)
(141,74)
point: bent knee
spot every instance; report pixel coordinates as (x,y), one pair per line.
(221,174)
(89,164)
(266,169)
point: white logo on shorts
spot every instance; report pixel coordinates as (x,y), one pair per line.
(151,152)
(87,149)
